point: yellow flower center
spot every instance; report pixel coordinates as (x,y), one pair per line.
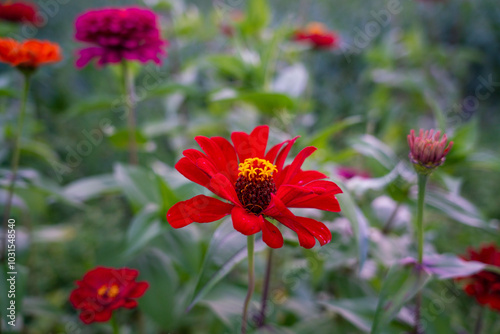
(256,169)
(316,28)
(108,291)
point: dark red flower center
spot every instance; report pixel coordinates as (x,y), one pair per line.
(108,292)
(255,184)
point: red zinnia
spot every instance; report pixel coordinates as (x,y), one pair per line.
(485,285)
(258,187)
(18,12)
(318,36)
(29,54)
(119,33)
(103,290)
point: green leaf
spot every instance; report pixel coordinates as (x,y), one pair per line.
(372,147)
(358,222)
(163,299)
(91,187)
(39,149)
(258,17)
(167,194)
(320,140)
(92,104)
(144,227)
(227,248)
(121,139)
(269,103)
(400,285)
(358,312)
(138,184)
(229,65)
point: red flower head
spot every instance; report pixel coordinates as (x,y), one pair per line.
(119,33)
(318,36)
(485,285)
(428,151)
(18,12)
(103,290)
(30,54)
(255,185)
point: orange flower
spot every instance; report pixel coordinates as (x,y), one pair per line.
(30,54)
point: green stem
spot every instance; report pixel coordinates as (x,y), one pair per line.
(114,324)
(251,282)
(422,181)
(129,91)
(15,160)
(265,292)
(478,328)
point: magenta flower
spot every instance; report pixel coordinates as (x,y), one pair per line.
(428,150)
(117,34)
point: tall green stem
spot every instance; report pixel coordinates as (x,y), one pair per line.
(251,282)
(265,292)
(422,182)
(129,91)
(15,160)
(478,328)
(114,324)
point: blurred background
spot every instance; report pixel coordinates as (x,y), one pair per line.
(232,65)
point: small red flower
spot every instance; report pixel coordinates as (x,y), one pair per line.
(29,54)
(117,34)
(318,36)
(428,151)
(485,285)
(19,12)
(255,185)
(103,290)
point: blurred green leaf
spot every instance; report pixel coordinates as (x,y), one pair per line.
(320,139)
(92,104)
(268,103)
(91,187)
(138,184)
(144,227)
(258,17)
(399,286)
(358,312)
(120,139)
(374,148)
(227,248)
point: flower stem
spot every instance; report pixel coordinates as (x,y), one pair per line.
(251,282)
(422,181)
(262,316)
(478,328)
(15,160)
(114,324)
(388,225)
(129,91)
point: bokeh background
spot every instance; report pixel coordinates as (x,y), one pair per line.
(80,204)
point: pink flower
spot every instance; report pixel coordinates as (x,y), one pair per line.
(117,34)
(428,150)
(348,173)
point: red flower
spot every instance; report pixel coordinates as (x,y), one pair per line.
(119,33)
(256,188)
(485,285)
(318,36)
(428,151)
(103,290)
(18,12)
(29,54)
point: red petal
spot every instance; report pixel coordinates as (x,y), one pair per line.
(258,140)
(280,160)
(271,235)
(316,228)
(289,193)
(273,152)
(304,177)
(325,202)
(222,187)
(324,187)
(214,152)
(130,303)
(207,166)
(245,222)
(296,165)
(193,154)
(242,145)
(199,209)
(103,316)
(230,154)
(138,290)
(187,168)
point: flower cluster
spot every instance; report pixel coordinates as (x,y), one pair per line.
(258,187)
(318,36)
(30,54)
(103,290)
(118,34)
(19,12)
(428,150)
(485,285)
